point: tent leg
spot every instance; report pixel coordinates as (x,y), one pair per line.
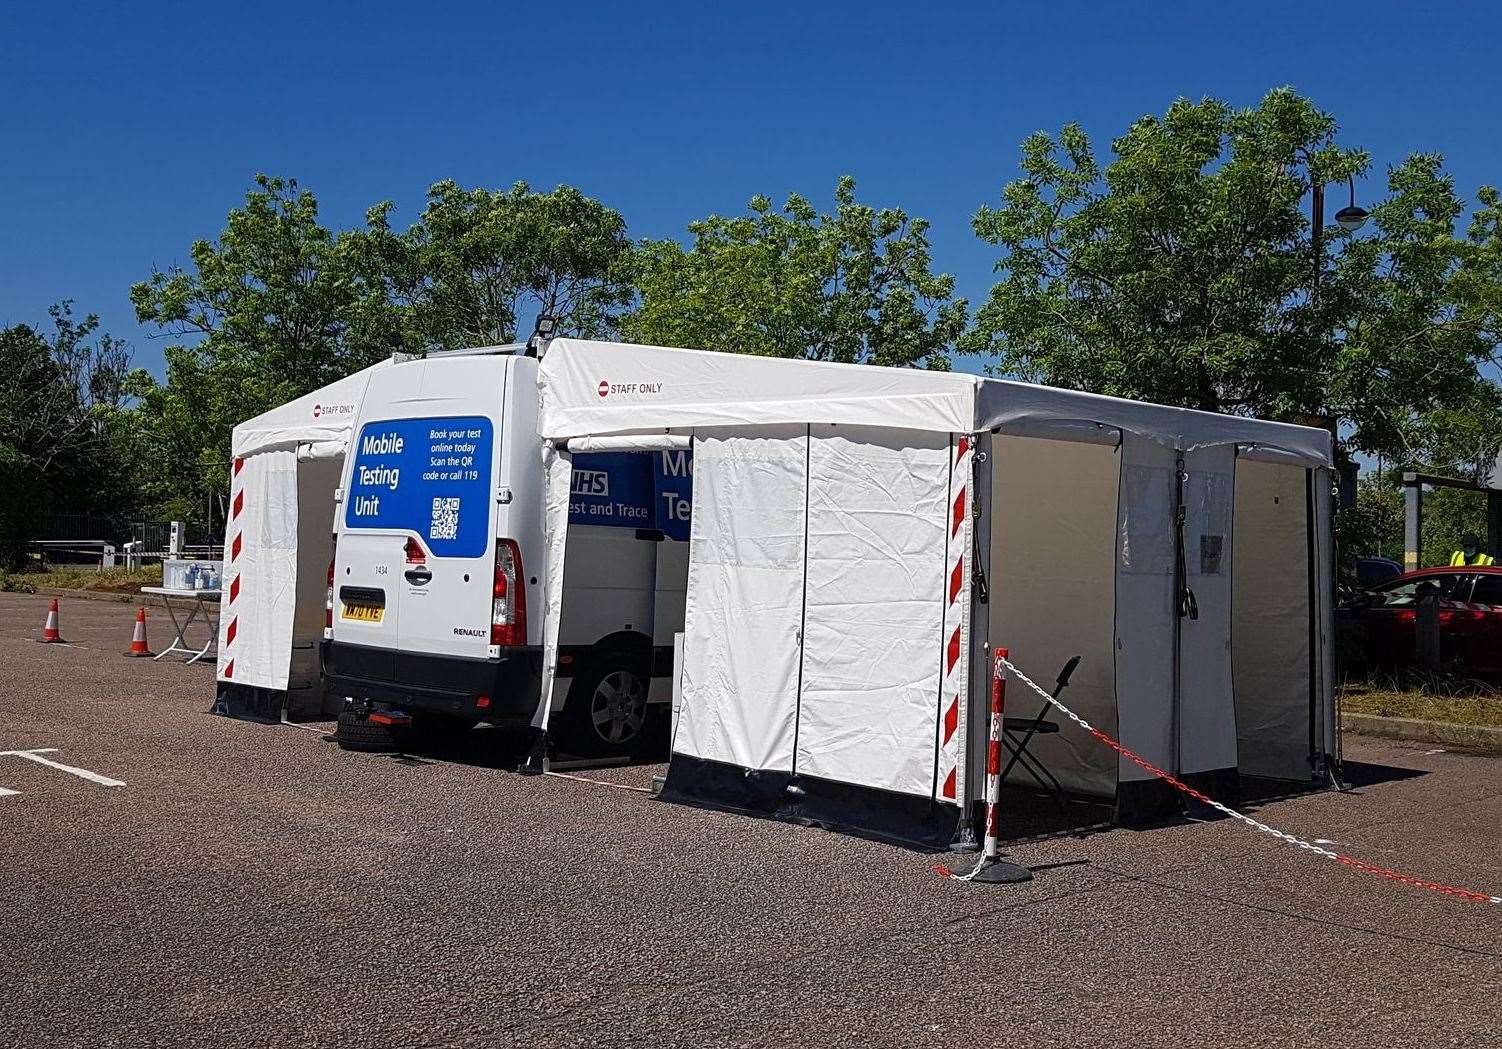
(1329,769)
(965,839)
(536,761)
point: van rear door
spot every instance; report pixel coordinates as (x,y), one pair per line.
(367,564)
(420,507)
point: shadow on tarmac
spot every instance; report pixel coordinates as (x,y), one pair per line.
(1031,815)
(504,748)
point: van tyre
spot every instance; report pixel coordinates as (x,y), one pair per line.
(356,732)
(605,714)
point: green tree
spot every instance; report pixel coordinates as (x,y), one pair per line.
(855,286)
(478,259)
(61,395)
(269,311)
(1185,271)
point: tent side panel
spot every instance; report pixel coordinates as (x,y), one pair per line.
(973,723)
(952,782)
(1207,722)
(1053,513)
(1145,622)
(558,473)
(745,599)
(1328,742)
(1271,617)
(260,575)
(874,620)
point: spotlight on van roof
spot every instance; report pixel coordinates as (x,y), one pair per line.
(542,332)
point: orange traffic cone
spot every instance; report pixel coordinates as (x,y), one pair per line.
(50,634)
(138,641)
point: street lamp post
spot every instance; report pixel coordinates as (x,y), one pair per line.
(1351,217)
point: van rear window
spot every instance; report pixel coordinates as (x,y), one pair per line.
(429,476)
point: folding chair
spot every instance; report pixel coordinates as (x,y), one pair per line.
(1017,733)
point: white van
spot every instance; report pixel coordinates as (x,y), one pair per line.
(438,532)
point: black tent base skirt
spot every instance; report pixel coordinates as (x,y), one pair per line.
(248,703)
(1144,802)
(867,812)
(267,705)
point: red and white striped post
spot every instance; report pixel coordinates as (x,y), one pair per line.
(993,869)
(993,758)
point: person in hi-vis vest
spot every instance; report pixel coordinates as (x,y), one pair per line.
(1470,554)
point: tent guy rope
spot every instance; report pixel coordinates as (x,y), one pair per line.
(1290,839)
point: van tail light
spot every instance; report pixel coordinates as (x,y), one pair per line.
(328,604)
(416,555)
(508,606)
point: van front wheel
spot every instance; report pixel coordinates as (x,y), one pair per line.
(606,708)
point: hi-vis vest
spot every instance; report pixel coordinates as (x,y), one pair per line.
(1457,560)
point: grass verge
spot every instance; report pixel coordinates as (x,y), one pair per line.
(1426,697)
(82,577)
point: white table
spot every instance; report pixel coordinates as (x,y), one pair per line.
(204,605)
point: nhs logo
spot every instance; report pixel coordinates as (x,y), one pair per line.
(591,482)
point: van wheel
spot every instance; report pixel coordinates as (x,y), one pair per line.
(606,707)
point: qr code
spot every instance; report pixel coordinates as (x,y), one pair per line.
(445,518)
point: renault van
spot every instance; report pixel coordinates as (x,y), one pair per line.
(435,595)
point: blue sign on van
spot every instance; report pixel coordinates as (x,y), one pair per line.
(673,491)
(650,490)
(429,476)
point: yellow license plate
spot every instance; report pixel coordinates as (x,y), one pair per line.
(364,613)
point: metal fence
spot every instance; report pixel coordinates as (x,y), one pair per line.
(80,536)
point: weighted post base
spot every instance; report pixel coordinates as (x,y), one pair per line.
(1000,872)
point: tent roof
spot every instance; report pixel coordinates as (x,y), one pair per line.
(1047,411)
(326,414)
(603,388)
(596,388)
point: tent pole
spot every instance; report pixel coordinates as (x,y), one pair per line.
(1315,598)
(1180,585)
(966,839)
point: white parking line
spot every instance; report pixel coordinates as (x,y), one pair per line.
(35,754)
(8,793)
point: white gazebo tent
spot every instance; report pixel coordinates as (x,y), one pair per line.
(278,541)
(1187,556)
(861,537)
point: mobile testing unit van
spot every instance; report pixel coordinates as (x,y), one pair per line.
(434,604)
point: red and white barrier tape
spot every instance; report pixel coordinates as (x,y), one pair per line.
(1137,759)
(599,782)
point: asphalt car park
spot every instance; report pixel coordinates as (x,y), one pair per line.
(251,884)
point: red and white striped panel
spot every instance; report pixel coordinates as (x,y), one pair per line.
(955,686)
(232,565)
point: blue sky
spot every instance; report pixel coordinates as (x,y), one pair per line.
(126,131)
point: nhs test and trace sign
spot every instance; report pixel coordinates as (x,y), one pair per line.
(428,476)
(651,490)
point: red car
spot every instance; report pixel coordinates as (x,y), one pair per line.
(1381,621)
